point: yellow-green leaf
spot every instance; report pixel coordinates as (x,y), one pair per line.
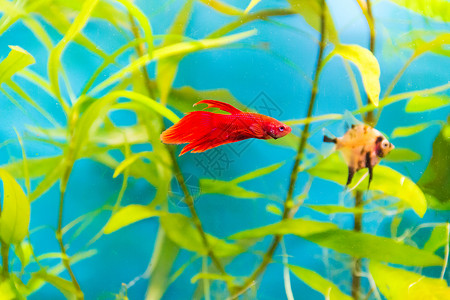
(436,178)
(130,214)
(300,227)
(180,230)
(16,60)
(232,188)
(385,180)
(327,288)
(54,60)
(15,216)
(439,238)
(436,9)
(398,284)
(311,10)
(130,160)
(166,69)
(360,245)
(401,155)
(368,67)
(251,5)
(172,50)
(335,209)
(223,7)
(426,103)
(410,130)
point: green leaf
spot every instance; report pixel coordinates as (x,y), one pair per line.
(130,214)
(64,286)
(169,51)
(223,7)
(232,188)
(258,173)
(398,284)
(36,166)
(15,217)
(16,60)
(368,67)
(166,69)
(6,291)
(436,9)
(311,11)
(131,159)
(180,230)
(436,45)
(402,154)
(161,263)
(54,60)
(184,98)
(212,186)
(251,5)
(437,173)
(315,119)
(274,209)
(360,245)
(335,209)
(35,282)
(426,103)
(49,180)
(300,227)
(212,276)
(385,180)
(328,289)
(410,130)
(438,238)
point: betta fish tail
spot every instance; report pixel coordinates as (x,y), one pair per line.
(190,128)
(199,129)
(327,139)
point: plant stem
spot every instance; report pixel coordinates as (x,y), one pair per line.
(140,50)
(177,171)
(371,22)
(5,255)
(4,251)
(356,268)
(288,203)
(64,256)
(190,203)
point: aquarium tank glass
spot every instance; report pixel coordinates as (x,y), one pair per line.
(224,149)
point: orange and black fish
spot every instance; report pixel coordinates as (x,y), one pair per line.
(362,147)
(203,130)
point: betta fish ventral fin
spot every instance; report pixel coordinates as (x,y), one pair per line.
(220,105)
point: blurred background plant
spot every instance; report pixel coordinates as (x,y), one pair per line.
(88,86)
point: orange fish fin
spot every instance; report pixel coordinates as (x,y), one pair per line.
(220,105)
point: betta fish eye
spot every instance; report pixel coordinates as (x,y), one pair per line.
(281,128)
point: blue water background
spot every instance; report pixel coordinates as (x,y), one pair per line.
(246,72)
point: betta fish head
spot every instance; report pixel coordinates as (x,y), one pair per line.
(276,129)
(383,146)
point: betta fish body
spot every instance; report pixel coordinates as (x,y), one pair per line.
(203,130)
(362,147)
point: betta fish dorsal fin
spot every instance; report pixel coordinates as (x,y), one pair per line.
(220,105)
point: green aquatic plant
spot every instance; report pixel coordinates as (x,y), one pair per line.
(85,130)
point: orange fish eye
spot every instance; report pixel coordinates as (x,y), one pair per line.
(281,128)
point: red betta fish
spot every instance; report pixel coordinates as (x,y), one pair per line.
(203,130)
